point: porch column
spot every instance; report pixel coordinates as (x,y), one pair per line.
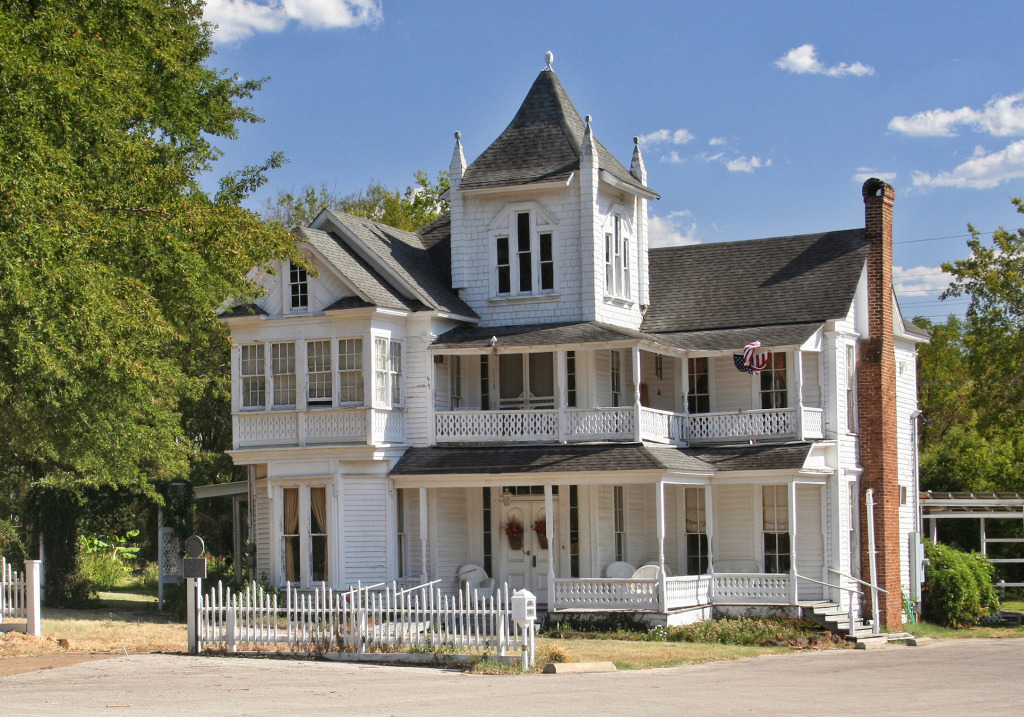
(637,432)
(792,543)
(683,397)
(798,388)
(549,517)
(560,397)
(659,501)
(934,524)
(709,527)
(423,534)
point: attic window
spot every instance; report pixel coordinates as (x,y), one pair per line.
(524,256)
(299,283)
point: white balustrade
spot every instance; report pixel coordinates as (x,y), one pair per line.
(751,589)
(705,427)
(687,591)
(813,423)
(316,426)
(606,594)
(660,426)
(599,424)
(388,426)
(496,426)
(267,428)
(330,426)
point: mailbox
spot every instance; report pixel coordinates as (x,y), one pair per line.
(524,606)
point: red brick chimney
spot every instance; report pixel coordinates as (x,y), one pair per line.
(876,399)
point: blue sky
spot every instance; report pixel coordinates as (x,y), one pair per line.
(758,119)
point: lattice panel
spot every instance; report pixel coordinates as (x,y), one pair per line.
(336,425)
(485,426)
(609,424)
(267,428)
(170,556)
(752,588)
(598,593)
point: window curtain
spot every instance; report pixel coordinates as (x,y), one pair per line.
(318,510)
(291,531)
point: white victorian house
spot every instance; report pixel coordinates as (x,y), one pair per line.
(524,388)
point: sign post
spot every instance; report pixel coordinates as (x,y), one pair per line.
(194,569)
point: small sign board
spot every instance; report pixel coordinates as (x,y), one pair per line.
(194,568)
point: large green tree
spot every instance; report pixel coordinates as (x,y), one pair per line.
(113,259)
(418,205)
(972,372)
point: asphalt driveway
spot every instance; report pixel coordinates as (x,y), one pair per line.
(977,675)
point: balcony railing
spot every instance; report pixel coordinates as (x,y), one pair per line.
(576,425)
(681,592)
(318,426)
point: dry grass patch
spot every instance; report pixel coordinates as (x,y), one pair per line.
(635,654)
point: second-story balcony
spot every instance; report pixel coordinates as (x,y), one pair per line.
(284,428)
(577,425)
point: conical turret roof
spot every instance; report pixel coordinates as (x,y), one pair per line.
(541,144)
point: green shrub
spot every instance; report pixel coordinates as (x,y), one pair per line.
(106,560)
(757,632)
(958,590)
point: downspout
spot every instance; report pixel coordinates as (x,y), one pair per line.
(869,505)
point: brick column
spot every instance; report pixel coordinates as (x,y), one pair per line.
(876,399)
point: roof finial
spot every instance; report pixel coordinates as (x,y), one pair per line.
(458,135)
(549,57)
(588,119)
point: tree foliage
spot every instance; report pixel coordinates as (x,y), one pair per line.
(113,259)
(959,589)
(417,206)
(972,372)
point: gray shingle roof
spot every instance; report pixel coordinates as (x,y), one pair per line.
(726,339)
(542,143)
(803,279)
(534,335)
(786,456)
(512,460)
(243,310)
(533,459)
(405,254)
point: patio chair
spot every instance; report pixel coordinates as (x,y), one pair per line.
(619,570)
(647,572)
(475,578)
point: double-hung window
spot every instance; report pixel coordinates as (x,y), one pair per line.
(525,257)
(304,538)
(387,372)
(775,508)
(696,532)
(773,389)
(698,394)
(619,521)
(319,380)
(616,378)
(455,382)
(282,363)
(298,283)
(616,260)
(350,371)
(254,380)
(851,388)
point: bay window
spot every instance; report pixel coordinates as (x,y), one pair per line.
(319,382)
(282,361)
(254,380)
(387,372)
(350,371)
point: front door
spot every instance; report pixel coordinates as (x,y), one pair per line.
(526,560)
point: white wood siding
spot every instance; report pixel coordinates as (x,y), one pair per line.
(810,553)
(737,524)
(811,388)
(261,530)
(732,388)
(365,530)
(452,531)
(906,404)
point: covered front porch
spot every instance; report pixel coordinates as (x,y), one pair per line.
(665,533)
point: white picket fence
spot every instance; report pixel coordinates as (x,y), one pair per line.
(376,618)
(20,597)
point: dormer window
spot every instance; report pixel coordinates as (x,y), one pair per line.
(298,281)
(524,254)
(616,260)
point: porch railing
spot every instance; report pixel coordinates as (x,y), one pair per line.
(619,424)
(688,591)
(751,589)
(361,424)
(606,594)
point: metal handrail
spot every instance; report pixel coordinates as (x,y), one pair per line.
(829,585)
(840,573)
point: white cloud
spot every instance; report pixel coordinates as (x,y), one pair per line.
(672,158)
(671,230)
(239,19)
(919,280)
(665,136)
(981,171)
(1000,117)
(715,141)
(865,173)
(804,60)
(742,164)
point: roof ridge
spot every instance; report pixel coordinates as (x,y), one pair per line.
(755,239)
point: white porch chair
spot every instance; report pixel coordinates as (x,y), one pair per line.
(647,572)
(475,578)
(619,570)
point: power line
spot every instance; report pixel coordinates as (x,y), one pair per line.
(952,236)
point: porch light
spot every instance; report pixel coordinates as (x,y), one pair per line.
(506,496)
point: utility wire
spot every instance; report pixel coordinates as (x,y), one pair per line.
(952,236)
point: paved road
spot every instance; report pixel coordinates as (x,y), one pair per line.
(976,675)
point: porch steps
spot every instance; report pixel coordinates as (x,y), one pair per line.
(835,619)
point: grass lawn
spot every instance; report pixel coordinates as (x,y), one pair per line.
(124,620)
(633,654)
